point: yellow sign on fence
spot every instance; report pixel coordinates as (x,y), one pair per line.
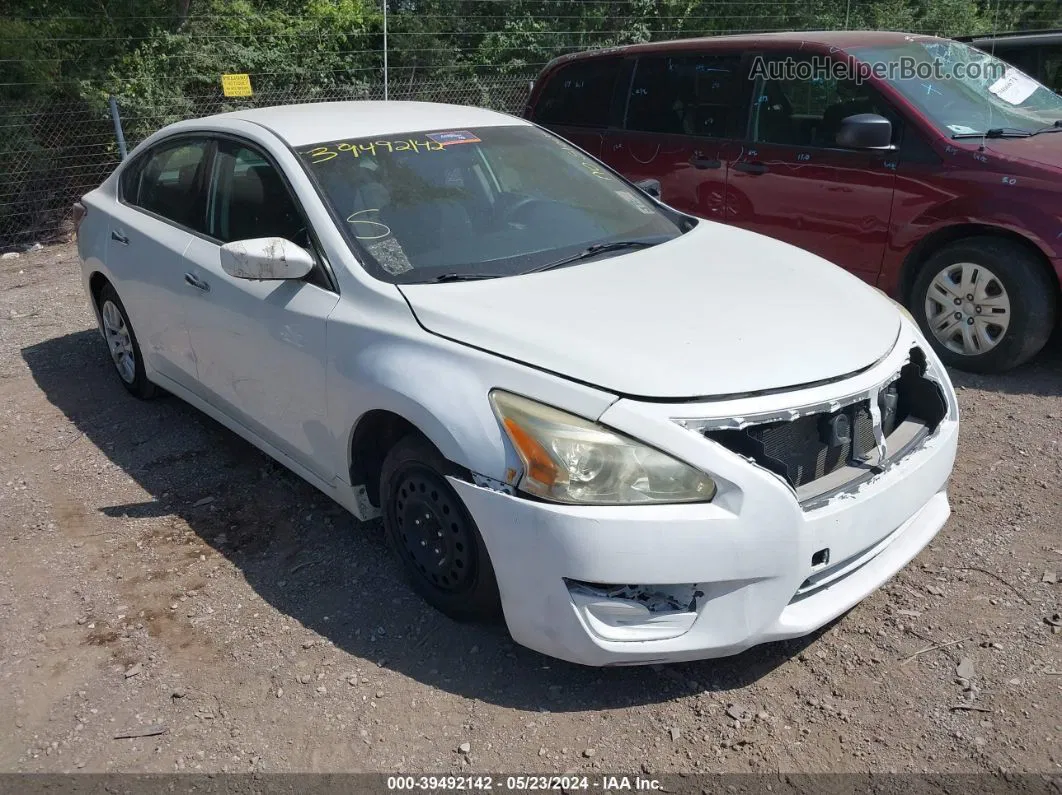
(236,85)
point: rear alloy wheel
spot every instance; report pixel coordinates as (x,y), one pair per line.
(122,344)
(433,534)
(985,304)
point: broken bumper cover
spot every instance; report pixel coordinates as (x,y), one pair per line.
(749,568)
(626,585)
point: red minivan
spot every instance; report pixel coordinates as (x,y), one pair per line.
(926,167)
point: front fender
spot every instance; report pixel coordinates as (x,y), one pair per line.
(1032,222)
(440,387)
(964,216)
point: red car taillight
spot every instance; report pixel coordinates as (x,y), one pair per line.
(79,215)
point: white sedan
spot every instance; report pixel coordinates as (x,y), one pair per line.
(640,436)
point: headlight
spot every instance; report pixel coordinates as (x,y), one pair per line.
(569,459)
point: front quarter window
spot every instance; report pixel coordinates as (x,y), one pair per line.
(476,203)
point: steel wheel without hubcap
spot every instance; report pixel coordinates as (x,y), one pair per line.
(119,341)
(433,534)
(967,308)
(435,537)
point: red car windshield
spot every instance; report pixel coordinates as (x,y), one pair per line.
(964,90)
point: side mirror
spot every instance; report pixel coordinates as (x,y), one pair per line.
(865,131)
(265,258)
(649,186)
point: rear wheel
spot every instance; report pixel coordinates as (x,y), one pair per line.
(433,535)
(985,304)
(122,344)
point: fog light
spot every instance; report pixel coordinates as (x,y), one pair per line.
(619,618)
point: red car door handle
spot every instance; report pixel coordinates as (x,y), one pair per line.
(702,162)
(751,168)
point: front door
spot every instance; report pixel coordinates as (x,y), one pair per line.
(260,345)
(792,182)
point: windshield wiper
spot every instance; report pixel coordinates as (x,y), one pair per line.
(1056,127)
(463,277)
(996,132)
(593,251)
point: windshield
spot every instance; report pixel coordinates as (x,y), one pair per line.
(962,89)
(477,203)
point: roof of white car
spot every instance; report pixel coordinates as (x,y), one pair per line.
(331,121)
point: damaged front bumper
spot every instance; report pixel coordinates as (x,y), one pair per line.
(622,585)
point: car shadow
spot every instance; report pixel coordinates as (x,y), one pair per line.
(1041,376)
(308,558)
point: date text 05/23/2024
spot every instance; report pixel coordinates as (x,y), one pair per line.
(566,783)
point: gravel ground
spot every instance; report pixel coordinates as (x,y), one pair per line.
(160,577)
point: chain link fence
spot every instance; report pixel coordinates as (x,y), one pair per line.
(52,153)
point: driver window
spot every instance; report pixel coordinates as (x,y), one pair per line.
(248,199)
(808,112)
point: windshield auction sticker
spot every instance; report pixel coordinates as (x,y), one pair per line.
(455,137)
(1014,87)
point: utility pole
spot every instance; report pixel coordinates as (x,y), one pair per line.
(385,47)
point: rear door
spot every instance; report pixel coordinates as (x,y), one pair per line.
(682,112)
(161,204)
(260,344)
(794,183)
(576,101)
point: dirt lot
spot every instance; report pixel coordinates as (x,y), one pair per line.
(156,572)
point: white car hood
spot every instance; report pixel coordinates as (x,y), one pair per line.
(717,311)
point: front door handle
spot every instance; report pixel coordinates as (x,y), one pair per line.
(195,281)
(703,162)
(118,237)
(751,168)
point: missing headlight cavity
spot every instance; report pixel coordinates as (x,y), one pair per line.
(655,598)
(919,397)
(812,446)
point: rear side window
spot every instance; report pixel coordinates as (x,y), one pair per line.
(168,181)
(684,95)
(579,94)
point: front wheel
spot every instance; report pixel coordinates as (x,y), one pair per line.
(985,304)
(433,535)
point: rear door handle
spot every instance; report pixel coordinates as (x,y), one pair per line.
(751,168)
(701,162)
(118,237)
(196,282)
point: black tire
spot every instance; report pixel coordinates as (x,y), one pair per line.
(138,384)
(454,574)
(1030,290)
